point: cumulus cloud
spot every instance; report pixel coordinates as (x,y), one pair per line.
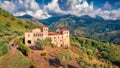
(81,7)
(74,7)
(22,7)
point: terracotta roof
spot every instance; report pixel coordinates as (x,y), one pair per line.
(44,27)
(53,33)
(64,30)
(35,28)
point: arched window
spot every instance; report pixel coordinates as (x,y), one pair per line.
(29,41)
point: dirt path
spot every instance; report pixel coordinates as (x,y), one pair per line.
(12,40)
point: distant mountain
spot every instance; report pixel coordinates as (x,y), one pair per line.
(86,26)
(83,52)
(26,16)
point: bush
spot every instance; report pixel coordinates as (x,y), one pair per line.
(13,18)
(65,56)
(53,45)
(24,49)
(83,63)
(20,22)
(41,44)
(4,48)
(43,54)
(8,24)
(19,33)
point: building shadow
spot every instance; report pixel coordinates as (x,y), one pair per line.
(54,62)
(34,48)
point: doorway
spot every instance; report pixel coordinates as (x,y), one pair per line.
(29,41)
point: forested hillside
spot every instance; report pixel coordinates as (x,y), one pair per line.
(11,27)
(83,52)
(108,30)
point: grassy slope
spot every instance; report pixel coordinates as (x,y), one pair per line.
(14,59)
(11,27)
(82,50)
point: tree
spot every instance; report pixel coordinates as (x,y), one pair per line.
(65,56)
(41,44)
(24,49)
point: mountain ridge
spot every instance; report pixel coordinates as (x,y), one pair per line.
(85,25)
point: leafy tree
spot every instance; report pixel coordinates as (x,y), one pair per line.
(24,49)
(65,56)
(8,24)
(41,44)
(4,49)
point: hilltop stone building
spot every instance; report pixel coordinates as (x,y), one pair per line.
(60,38)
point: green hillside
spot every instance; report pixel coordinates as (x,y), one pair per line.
(11,27)
(87,26)
(83,53)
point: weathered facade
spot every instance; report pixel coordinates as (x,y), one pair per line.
(59,38)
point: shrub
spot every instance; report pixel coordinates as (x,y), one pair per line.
(4,49)
(19,33)
(41,44)
(24,49)
(43,54)
(53,45)
(20,22)
(83,63)
(65,56)
(13,18)
(8,24)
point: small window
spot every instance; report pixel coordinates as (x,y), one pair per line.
(54,37)
(34,35)
(67,36)
(38,34)
(28,35)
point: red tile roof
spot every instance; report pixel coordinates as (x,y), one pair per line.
(44,27)
(64,30)
(53,33)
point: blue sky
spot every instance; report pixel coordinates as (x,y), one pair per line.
(97,3)
(108,9)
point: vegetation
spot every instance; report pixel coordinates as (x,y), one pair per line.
(108,30)
(14,59)
(10,27)
(97,48)
(4,48)
(22,47)
(41,44)
(65,56)
(86,52)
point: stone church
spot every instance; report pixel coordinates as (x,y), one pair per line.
(60,38)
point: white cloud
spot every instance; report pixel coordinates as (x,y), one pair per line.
(21,7)
(74,7)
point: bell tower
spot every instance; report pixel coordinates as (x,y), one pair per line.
(45,32)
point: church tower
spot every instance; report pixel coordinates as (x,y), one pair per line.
(45,32)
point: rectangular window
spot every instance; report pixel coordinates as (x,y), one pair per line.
(28,35)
